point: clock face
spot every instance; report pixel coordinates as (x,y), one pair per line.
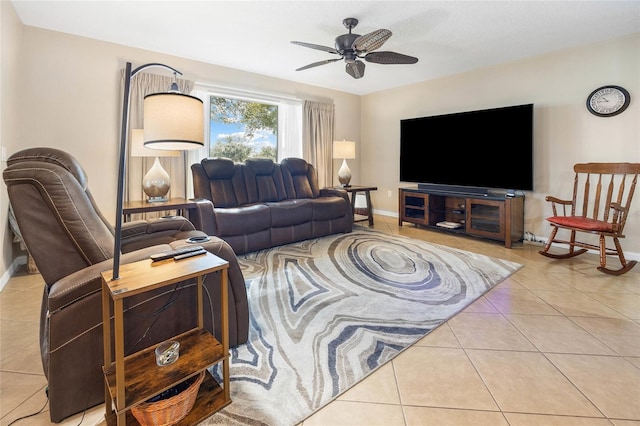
(608,101)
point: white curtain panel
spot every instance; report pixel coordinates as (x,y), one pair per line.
(289,129)
(317,131)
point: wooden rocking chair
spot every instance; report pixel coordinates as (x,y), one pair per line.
(602,194)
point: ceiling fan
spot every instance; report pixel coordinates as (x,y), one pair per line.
(350,47)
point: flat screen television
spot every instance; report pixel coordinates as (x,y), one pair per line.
(469,151)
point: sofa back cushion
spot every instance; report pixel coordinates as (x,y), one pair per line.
(226,182)
(264,180)
(300,177)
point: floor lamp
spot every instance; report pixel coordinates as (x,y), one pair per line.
(172,121)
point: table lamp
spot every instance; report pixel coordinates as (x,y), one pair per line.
(345,150)
(156,182)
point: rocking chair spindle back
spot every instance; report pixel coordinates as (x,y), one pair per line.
(602,195)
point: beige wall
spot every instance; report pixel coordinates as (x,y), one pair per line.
(565,133)
(10,41)
(73,98)
(70,98)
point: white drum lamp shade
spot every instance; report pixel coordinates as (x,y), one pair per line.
(346,150)
(173,121)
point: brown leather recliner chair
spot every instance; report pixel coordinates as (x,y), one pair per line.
(72,243)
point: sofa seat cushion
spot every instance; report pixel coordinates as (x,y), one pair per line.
(328,208)
(290,212)
(243,220)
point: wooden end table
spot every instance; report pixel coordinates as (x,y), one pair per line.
(353,190)
(135,378)
(182,206)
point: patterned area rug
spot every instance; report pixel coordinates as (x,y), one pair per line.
(326,313)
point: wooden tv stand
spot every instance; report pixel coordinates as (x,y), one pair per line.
(493,216)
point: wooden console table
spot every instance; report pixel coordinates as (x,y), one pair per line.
(353,190)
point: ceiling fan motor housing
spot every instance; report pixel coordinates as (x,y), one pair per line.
(344,43)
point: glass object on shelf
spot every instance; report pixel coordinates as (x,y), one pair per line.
(167,353)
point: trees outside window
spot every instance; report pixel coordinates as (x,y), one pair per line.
(240,129)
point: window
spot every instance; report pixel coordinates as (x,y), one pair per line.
(240,129)
(253,124)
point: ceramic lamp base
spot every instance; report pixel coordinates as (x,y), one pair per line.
(156,182)
(344,174)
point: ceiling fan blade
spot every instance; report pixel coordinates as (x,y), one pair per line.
(315,46)
(355,69)
(371,41)
(389,58)
(315,64)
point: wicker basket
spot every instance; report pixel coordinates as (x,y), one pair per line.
(168,411)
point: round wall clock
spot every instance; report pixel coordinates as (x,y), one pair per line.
(607,101)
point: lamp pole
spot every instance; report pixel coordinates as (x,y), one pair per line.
(122,162)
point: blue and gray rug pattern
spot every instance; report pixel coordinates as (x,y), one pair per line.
(325,313)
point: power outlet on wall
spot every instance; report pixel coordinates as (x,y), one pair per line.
(389,194)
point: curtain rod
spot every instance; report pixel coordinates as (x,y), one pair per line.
(225,90)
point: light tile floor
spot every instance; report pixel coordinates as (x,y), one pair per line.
(557,343)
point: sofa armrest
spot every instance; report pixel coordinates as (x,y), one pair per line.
(203,217)
(335,192)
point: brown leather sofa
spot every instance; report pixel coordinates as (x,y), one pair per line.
(72,243)
(260,204)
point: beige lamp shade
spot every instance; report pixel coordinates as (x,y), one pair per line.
(173,121)
(344,149)
(138,149)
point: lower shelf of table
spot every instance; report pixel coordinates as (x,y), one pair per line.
(144,379)
(210,400)
(360,217)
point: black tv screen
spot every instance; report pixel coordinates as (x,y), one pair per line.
(489,149)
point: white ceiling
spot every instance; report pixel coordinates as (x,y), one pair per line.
(447,37)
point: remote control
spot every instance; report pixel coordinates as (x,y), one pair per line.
(173,253)
(189,254)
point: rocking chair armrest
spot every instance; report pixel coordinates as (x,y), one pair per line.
(558,200)
(555,201)
(619,207)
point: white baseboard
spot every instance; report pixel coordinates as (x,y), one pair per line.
(386,213)
(540,241)
(4,279)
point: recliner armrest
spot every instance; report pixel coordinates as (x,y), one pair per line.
(87,281)
(141,227)
(144,233)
